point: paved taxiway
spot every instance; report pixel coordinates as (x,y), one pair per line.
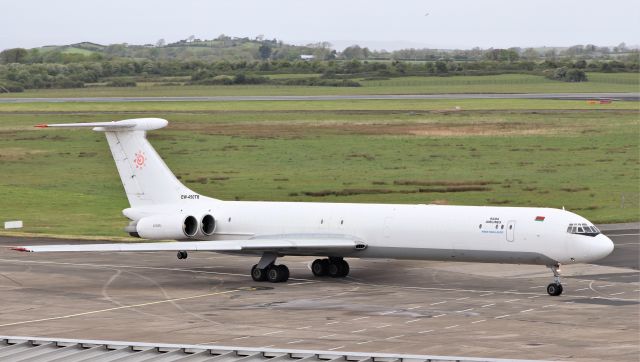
(565,96)
(483,310)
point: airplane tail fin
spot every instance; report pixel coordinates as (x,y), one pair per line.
(146,178)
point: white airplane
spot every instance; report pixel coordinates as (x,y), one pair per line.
(163,208)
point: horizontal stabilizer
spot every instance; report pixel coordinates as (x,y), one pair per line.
(136,124)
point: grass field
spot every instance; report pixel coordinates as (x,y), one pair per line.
(507,83)
(498,152)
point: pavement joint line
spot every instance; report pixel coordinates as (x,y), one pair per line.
(453,326)
(384,326)
(486,294)
(412,321)
(427,331)
(296,341)
(305,327)
(444,301)
(527,310)
(122,307)
(463,298)
(577,290)
(328,335)
(270,333)
(488,305)
(439,315)
(333,349)
(359,318)
(412,308)
(394,337)
(502,316)
(606,286)
(387,313)
(617,293)
(480,321)
(335,322)
(548,305)
(364,342)
(464,310)
(533,297)
(243,337)
(512,300)
(359,330)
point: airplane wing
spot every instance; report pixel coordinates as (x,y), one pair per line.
(297,245)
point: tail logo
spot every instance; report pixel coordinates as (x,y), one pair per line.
(139,160)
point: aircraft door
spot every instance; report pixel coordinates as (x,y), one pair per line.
(511,229)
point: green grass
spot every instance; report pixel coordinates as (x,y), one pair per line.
(532,153)
(441,105)
(507,83)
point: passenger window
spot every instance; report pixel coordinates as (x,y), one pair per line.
(502,226)
(480,226)
(569,229)
(510,227)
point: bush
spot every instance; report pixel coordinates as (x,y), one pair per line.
(566,75)
(121,83)
(10,87)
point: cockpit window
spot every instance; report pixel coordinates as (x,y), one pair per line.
(583,229)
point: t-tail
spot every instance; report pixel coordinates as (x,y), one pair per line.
(146,178)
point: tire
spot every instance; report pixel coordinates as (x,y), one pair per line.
(336,269)
(258,275)
(284,270)
(345,268)
(554,289)
(320,267)
(274,274)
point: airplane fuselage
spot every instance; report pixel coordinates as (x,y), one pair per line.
(421,232)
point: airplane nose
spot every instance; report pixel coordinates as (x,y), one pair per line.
(602,247)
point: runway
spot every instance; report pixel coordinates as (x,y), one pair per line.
(557,96)
(483,310)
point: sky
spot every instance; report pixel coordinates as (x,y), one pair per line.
(377,24)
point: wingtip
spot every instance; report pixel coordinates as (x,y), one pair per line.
(21,248)
(41,125)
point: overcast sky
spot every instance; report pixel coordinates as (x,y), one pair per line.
(377,24)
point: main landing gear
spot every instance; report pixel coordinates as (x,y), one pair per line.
(334,267)
(182,254)
(266,269)
(555,288)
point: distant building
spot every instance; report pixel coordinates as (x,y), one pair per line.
(307,57)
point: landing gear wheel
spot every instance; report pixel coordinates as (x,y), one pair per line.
(182,254)
(278,273)
(554,289)
(258,275)
(320,267)
(338,268)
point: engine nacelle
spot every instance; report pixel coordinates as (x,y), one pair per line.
(208,225)
(176,226)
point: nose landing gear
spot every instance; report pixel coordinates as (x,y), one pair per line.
(555,289)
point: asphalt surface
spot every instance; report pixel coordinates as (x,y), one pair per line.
(418,307)
(565,96)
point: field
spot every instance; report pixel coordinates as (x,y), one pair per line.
(506,83)
(460,152)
